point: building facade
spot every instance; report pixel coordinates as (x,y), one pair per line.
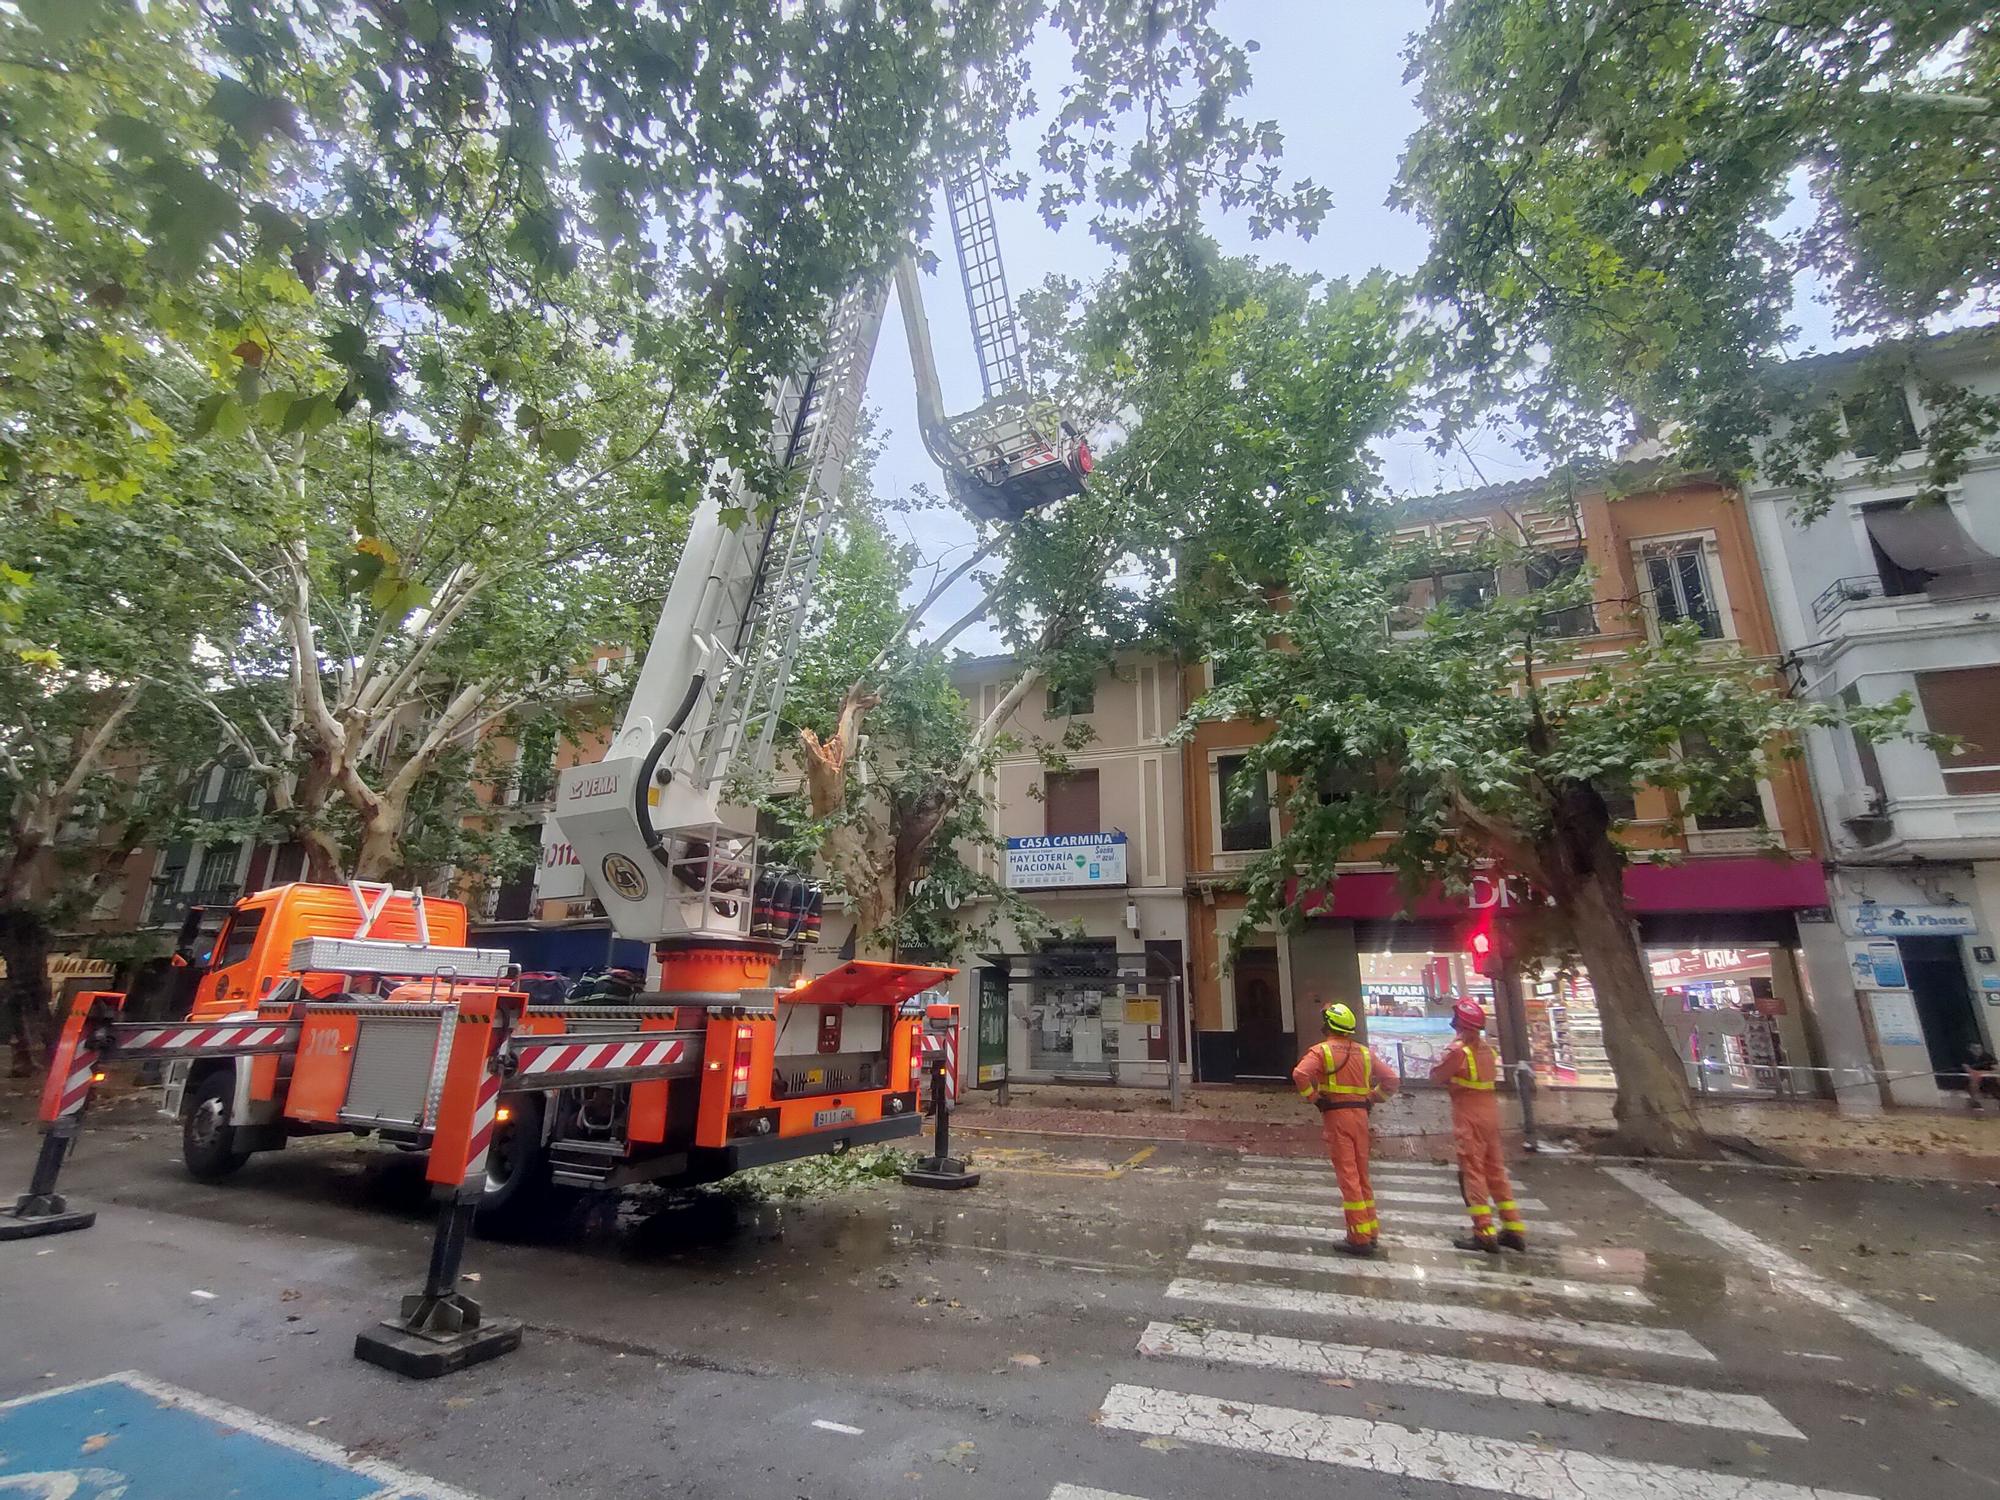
(1888,595)
(1092,839)
(1718,899)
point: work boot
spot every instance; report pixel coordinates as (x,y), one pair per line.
(1481,1242)
(1513,1239)
(1359,1249)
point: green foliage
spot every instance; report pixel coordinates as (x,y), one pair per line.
(1476,737)
(1604,181)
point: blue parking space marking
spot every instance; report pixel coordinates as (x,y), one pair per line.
(129,1437)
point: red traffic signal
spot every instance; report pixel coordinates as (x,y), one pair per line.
(1483,943)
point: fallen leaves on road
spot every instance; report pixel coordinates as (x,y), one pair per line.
(1025,1361)
(1161,1444)
(95,1441)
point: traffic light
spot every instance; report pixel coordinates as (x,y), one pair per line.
(1483,944)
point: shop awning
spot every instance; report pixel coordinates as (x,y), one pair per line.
(1749,883)
(1929,538)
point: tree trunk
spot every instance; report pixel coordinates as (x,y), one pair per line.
(1655,1111)
(27,1014)
(380,855)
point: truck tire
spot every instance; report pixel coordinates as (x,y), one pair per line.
(519,1198)
(208,1138)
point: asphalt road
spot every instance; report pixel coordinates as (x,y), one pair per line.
(1161,1323)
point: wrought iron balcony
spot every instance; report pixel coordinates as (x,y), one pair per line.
(1842,592)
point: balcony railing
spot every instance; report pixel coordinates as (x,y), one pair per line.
(170,906)
(1842,592)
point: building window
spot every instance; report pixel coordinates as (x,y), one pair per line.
(1244,800)
(1675,576)
(1619,801)
(217,871)
(1966,704)
(1546,570)
(1069,802)
(1069,698)
(1879,424)
(1741,803)
(1864,749)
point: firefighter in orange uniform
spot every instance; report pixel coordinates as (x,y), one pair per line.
(1470,1068)
(1344,1080)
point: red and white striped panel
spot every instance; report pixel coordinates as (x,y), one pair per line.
(485,1110)
(563,1058)
(228,1035)
(76,1087)
(949,1042)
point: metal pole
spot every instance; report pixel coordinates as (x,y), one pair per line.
(942,1094)
(1173,1020)
(1514,1038)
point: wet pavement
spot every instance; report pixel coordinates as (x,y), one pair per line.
(1161,1320)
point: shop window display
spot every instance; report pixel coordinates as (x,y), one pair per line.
(1720,1006)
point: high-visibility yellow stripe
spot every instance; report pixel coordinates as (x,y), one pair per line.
(1358,1205)
(1514,1224)
(1479,1210)
(1368,1228)
(1367,1085)
(1506,1204)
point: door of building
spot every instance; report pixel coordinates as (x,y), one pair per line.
(1263,1030)
(1936,974)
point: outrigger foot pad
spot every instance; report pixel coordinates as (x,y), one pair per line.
(425,1356)
(23,1223)
(940,1172)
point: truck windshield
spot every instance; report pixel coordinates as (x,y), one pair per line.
(239,937)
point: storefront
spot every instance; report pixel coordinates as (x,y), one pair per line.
(1720,938)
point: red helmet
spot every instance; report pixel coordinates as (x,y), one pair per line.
(1470,1014)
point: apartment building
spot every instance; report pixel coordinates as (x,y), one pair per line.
(1887,595)
(1719,903)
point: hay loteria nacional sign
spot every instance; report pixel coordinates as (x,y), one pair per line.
(1065,859)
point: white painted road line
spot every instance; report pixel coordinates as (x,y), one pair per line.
(1081,1492)
(1471,1377)
(1393,1176)
(1471,1277)
(841,1427)
(1260,1296)
(1977,1372)
(1400,1216)
(1500,1464)
(1382,1195)
(1442,1168)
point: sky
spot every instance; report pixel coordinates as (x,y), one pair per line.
(1330,72)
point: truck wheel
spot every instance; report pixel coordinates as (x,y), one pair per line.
(207,1136)
(519,1197)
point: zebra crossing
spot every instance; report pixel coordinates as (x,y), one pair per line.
(1260,1289)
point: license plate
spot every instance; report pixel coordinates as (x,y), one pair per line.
(826,1117)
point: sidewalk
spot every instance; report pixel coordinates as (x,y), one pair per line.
(1955,1146)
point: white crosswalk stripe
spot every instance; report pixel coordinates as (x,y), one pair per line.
(1393,1175)
(1082,1492)
(1258,1296)
(1470,1277)
(1473,1377)
(1303,1163)
(1530,1470)
(1382,1195)
(1400,1216)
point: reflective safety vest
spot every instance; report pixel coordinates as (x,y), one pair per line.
(1347,1095)
(1470,1078)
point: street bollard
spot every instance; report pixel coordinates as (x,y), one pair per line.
(440,1329)
(941,1169)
